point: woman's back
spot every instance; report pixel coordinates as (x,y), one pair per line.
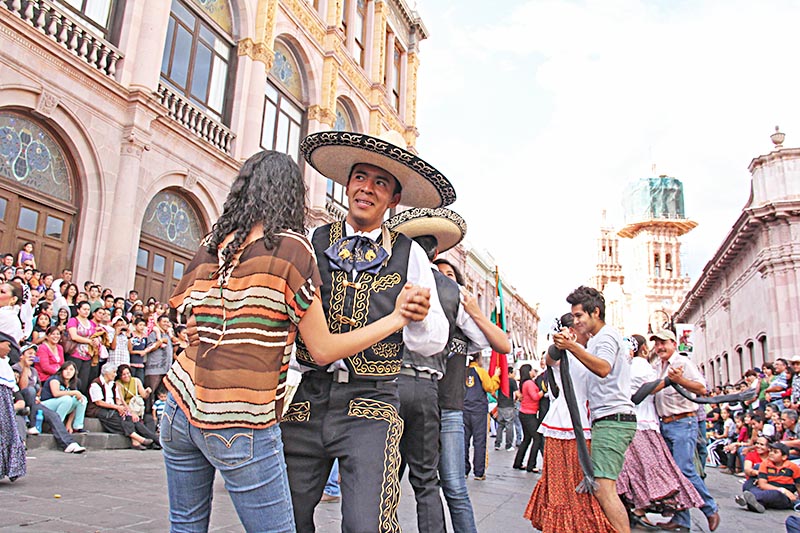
(246,329)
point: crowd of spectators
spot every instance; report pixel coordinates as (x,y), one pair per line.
(758,439)
(79,351)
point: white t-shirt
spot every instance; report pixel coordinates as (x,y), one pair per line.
(611,394)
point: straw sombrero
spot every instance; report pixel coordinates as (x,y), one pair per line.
(334,153)
(445,224)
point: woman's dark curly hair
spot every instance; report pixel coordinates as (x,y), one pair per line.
(269,190)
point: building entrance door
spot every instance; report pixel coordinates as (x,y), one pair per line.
(159,268)
(171,232)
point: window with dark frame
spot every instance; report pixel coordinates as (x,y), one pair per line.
(282,124)
(360,30)
(345,8)
(196,60)
(97,14)
(397,62)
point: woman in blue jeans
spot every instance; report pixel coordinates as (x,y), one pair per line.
(249,290)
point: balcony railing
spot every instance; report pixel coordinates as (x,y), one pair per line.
(335,209)
(70,34)
(195,119)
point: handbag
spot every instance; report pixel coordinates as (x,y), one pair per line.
(136,406)
(69,345)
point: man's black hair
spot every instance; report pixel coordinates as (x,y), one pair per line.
(590,299)
(429,243)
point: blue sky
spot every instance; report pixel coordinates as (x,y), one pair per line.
(540,112)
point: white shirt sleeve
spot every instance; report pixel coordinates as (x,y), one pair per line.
(429,336)
(96,393)
(477,340)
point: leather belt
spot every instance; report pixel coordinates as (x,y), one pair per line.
(413,372)
(673,418)
(617,417)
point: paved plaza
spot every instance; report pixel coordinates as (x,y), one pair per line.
(125,491)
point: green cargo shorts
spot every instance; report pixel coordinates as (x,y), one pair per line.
(610,439)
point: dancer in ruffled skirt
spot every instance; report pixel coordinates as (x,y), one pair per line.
(650,480)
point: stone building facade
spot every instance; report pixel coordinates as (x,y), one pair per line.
(123,122)
(745,306)
(478,269)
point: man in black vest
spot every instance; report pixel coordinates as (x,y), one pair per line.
(349,410)
(430,385)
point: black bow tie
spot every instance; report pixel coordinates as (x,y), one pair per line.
(358,253)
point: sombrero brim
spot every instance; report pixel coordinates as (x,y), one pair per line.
(445,224)
(334,153)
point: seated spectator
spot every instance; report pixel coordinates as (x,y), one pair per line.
(39,333)
(61,320)
(50,353)
(60,393)
(790,437)
(114,416)
(733,450)
(779,383)
(128,388)
(29,385)
(778,480)
(25,256)
(760,427)
(753,460)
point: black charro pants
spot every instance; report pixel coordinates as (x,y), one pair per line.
(358,423)
(419,447)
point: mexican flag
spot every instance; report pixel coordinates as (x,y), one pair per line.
(499,319)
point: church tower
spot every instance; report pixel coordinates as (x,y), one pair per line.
(608,277)
(654,223)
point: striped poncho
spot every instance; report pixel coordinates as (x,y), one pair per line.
(236,377)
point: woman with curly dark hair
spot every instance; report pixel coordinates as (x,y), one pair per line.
(250,288)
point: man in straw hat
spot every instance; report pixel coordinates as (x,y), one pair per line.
(349,410)
(432,388)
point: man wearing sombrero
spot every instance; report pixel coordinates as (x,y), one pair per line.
(432,388)
(349,410)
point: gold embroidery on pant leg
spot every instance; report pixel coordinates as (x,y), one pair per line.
(298,412)
(390,488)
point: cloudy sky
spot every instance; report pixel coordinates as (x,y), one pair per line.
(541,112)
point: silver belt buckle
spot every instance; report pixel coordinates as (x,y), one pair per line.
(341,375)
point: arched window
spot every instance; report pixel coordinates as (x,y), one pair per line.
(171,233)
(283,121)
(762,340)
(30,156)
(740,359)
(725,370)
(335,192)
(38,201)
(198,51)
(752,354)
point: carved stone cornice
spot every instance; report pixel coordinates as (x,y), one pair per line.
(256,51)
(308,21)
(324,115)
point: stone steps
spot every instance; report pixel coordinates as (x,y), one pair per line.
(96,439)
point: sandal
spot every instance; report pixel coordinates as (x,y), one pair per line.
(644,522)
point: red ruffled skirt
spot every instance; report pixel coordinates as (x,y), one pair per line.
(554,506)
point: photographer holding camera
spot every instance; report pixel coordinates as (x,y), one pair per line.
(610,406)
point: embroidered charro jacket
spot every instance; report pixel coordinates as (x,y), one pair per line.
(353,303)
